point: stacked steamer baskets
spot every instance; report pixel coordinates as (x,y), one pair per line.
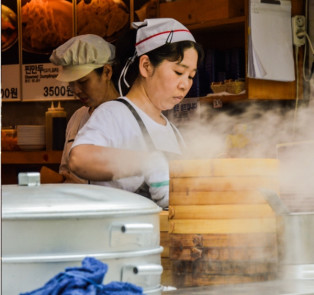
(221,229)
(47,228)
(166,279)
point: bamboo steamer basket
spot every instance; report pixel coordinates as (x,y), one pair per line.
(221,229)
(166,277)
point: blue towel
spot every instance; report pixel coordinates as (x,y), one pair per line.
(85,280)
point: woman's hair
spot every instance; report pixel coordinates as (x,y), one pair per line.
(169,51)
(99,71)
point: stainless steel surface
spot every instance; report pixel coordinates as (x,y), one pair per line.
(32,272)
(297,238)
(50,227)
(291,287)
(298,272)
(66,219)
(71,200)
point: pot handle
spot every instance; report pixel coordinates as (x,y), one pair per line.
(133,228)
(141,270)
(133,234)
(274,201)
(147,269)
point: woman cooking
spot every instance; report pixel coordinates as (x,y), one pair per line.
(126,142)
(87,65)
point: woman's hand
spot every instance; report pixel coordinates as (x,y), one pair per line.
(156,175)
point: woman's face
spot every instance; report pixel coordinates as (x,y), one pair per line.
(170,81)
(90,90)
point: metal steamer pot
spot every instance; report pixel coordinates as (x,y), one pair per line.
(295,240)
(47,228)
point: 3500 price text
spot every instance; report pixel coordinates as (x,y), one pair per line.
(58,91)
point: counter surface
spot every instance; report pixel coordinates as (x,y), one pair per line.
(31,157)
(291,287)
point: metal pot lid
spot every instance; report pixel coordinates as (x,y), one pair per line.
(71,200)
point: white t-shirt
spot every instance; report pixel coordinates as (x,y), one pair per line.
(76,122)
(113,125)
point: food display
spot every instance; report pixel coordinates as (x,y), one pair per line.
(46,24)
(8,27)
(32,29)
(103,18)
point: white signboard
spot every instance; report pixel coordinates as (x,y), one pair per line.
(10,82)
(39,83)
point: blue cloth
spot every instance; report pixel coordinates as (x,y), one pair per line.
(85,280)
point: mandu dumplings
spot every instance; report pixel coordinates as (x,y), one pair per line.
(46,24)
(103,18)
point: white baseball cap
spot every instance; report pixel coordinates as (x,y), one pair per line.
(81,55)
(156,32)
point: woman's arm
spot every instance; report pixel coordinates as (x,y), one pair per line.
(99,163)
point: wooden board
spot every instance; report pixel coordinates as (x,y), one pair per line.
(255,254)
(245,167)
(165,243)
(223,267)
(220,211)
(181,278)
(203,184)
(163,221)
(166,276)
(224,167)
(222,226)
(216,198)
(237,240)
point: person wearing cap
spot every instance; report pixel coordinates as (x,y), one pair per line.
(86,62)
(129,141)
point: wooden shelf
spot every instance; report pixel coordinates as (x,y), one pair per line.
(31,157)
(221,23)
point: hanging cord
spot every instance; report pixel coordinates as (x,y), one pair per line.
(297,91)
(124,71)
(307,79)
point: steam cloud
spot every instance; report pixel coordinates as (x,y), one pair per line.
(261,132)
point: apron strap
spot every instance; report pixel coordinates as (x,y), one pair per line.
(139,120)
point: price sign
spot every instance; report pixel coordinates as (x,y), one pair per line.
(46,25)
(39,83)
